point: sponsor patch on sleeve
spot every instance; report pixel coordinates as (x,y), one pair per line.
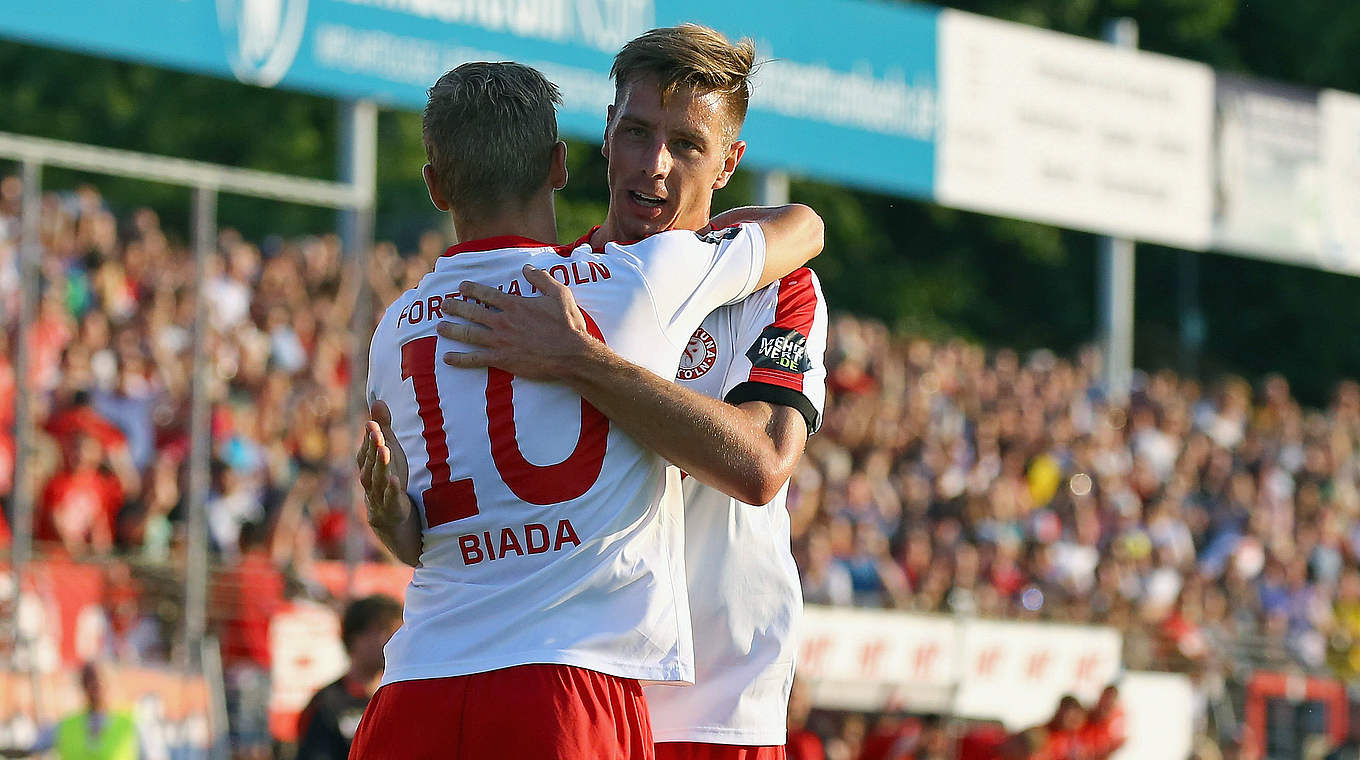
(781,348)
(717,236)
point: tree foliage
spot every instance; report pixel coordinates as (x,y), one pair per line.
(920,267)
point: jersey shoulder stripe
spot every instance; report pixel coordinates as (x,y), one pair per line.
(779,355)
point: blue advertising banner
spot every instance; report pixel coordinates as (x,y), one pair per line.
(849,94)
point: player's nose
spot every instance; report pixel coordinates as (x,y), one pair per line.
(658,160)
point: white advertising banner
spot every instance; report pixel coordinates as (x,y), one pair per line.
(1267,171)
(1340,127)
(871,659)
(1073,132)
(992,670)
(304,642)
(1017,672)
(1160,712)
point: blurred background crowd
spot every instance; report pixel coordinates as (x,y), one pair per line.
(1217,524)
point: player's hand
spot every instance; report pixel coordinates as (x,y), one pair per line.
(537,338)
(383,470)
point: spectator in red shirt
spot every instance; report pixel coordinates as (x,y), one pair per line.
(892,738)
(1103,733)
(6,462)
(802,744)
(245,598)
(80,502)
(984,742)
(80,419)
(1064,732)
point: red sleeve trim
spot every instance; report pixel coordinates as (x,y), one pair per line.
(791,380)
(795,309)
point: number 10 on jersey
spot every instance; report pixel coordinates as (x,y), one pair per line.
(447,500)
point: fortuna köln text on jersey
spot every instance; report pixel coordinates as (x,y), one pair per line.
(570,273)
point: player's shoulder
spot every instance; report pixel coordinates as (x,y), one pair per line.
(800,286)
(801,279)
(716,237)
(395,308)
(671,239)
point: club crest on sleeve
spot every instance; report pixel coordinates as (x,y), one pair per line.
(781,348)
(719,235)
(700,354)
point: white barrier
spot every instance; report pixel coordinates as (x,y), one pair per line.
(1014,673)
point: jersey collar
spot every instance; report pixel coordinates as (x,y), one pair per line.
(584,240)
(494,243)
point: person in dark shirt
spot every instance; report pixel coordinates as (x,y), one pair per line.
(326,726)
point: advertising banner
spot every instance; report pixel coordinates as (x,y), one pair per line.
(869,659)
(1073,132)
(1340,148)
(1267,170)
(306,654)
(61,614)
(169,708)
(834,102)
(1017,672)
(985,669)
(1158,708)
(368,578)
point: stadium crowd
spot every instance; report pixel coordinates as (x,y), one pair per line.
(1213,523)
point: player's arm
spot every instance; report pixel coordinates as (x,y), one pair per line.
(383,473)
(793,235)
(746,451)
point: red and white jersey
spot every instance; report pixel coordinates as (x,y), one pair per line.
(745,598)
(549,535)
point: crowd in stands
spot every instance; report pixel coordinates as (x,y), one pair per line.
(1212,522)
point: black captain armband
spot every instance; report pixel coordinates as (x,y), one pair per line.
(778,395)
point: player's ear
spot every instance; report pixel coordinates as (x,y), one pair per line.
(608,124)
(432,185)
(557,168)
(734,153)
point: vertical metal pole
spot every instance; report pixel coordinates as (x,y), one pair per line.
(30,255)
(772,188)
(1116,273)
(30,252)
(200,450)
(359,168)
(1191,317)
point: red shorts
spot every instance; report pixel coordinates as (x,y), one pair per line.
(552,712)
(702,751)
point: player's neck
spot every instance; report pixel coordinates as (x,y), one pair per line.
(534,220)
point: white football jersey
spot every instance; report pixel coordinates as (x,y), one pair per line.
(549,535)
(744,594)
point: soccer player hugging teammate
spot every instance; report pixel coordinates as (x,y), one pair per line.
(548,542)
(749,390)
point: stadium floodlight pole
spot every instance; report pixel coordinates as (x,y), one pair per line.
(1116,274)
(1191,316)
(772,188)
(358,168)
(200,435)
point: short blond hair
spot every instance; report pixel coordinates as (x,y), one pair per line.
(692,57)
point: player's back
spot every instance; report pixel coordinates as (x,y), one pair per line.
(550,536)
